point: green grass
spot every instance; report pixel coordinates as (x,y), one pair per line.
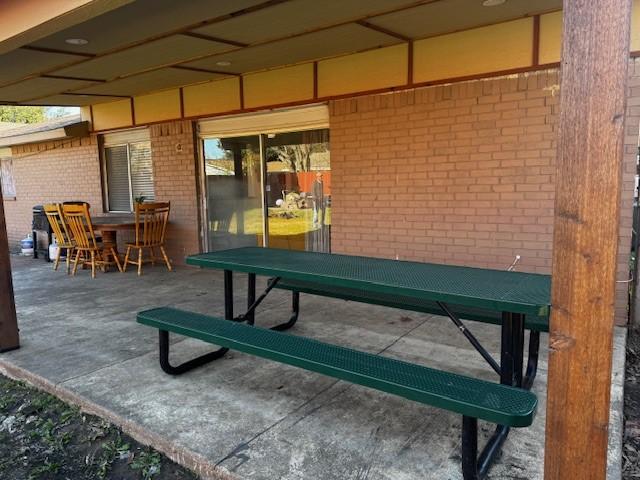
(300,223)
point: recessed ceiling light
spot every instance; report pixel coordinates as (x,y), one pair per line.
(223,63)
(76,41)
(492,3)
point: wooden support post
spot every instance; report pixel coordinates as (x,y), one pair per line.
(595,56)
(9,339)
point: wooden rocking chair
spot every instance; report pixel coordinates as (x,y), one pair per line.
(151,226)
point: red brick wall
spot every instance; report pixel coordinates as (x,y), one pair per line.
(70,170)
(458,174)
(51,172)
(172,150)
(632,123)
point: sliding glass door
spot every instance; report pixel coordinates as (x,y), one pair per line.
(299,190)
(233,192)
(269,189)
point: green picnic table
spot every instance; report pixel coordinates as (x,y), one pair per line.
(514,300)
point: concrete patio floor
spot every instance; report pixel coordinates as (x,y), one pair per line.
(248,418)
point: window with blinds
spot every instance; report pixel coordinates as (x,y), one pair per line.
(128,170)
(7,182)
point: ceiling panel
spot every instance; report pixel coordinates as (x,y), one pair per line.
(296,16)
(324,43)
(140,20)
(161,52)
(149,81)
(444,16)
(38,87)
(71,100)
(21,63)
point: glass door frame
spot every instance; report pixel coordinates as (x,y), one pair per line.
(203,190)
(202,182)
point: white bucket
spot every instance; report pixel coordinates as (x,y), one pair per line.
(53,251)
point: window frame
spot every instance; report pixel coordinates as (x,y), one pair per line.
(14,195)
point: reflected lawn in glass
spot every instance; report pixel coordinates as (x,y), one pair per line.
(281,221)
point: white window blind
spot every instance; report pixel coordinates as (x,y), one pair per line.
(6,178)
(141,171)
(128,169)
(117,166)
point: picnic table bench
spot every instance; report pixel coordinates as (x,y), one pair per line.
(512,293)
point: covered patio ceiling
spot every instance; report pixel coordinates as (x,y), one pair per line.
(147,45)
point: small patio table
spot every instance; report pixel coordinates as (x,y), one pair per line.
(514,294)
(108,225)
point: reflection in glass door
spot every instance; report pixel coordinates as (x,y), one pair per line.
(299,190)
(278,182)
(234,192)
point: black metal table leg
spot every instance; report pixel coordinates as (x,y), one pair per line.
(251,298)
(507,350)
(228,295)
(517,330)
(475,467)
(532,361)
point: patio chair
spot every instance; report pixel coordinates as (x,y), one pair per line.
(54,214)
(86,246)
(151,227)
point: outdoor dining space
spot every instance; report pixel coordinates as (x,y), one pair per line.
(383,240)
(255,418)
(92,242)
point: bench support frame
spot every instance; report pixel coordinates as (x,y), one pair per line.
(475,467)
(248,316)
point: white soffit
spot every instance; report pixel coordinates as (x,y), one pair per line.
(161,52)
(324,43)
(140,20)
(71,100)
(441,17)
(149,81)
(38,87)
(296,16)
(304,118)
(20,63)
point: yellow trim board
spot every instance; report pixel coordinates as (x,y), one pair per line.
(112,115)
(158,106)
(481,50)
(211,97)
(635,26)
(550,37)
(380,68)
(282,85)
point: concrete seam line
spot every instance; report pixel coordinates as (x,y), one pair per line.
(181,455)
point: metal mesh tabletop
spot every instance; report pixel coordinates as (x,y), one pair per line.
(498,290)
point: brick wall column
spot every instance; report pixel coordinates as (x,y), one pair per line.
(174,176)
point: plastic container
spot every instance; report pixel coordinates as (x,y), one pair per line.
(26,242)
(53,251)
(26,246)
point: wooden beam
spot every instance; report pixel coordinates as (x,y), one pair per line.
(595,56)
(9,339)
